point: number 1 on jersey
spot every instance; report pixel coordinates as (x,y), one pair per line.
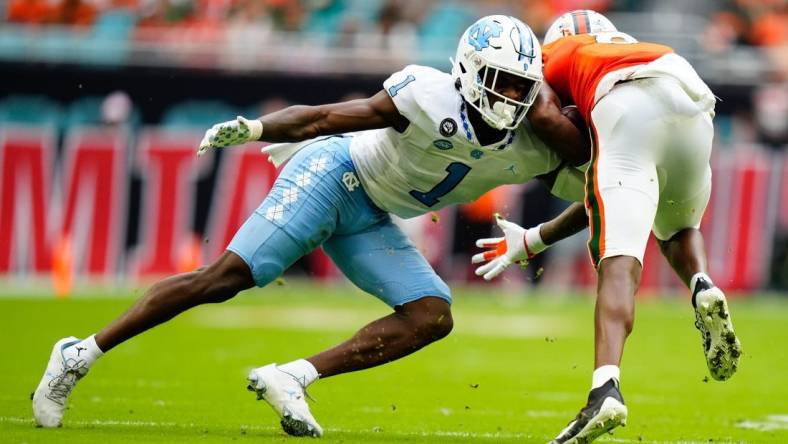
(457,171)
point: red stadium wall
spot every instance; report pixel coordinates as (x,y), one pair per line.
(71,212)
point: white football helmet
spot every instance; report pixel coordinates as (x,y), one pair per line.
(492,45)
(581,21)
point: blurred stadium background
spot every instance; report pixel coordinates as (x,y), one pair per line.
(103,101)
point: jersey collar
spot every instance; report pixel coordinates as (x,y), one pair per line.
(466,126)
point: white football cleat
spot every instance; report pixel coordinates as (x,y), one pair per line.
(720,344)
(62,373)
(285,394)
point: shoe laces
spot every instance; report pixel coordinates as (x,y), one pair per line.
(301,382)
(61,385)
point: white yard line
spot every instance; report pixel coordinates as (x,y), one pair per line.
(771,422)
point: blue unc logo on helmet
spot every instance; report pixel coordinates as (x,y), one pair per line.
(497,46)
(479,33)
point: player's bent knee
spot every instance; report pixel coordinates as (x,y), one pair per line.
(679,237)
(622,271)
(430,317)
(223,279)
(211,289)
(443,327)
(438,327)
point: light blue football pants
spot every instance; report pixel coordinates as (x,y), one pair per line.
(318,200)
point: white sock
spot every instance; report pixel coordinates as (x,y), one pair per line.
(86,349)
(301,369)
(698,276)
(604,374)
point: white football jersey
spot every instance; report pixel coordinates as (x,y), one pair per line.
(438,161)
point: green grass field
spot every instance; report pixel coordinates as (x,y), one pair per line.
(515,370)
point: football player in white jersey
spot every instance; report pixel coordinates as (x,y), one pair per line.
(427,140)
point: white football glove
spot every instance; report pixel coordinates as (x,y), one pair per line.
(232,132)
(517,246)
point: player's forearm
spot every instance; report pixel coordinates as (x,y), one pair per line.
(292,124)
(570,221)
(300,122)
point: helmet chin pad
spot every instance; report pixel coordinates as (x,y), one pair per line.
(505,111)
(500,116)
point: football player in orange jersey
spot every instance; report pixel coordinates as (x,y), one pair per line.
(650,119)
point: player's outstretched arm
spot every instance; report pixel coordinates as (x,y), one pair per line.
(302,122)
(299,122)
(562,129)
(572,220)
(520,244)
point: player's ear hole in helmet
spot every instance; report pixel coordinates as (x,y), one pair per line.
(498,69)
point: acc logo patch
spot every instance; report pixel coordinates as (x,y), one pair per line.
(448,127)
(443,144)
(477,154)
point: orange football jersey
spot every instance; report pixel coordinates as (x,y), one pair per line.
(574,65)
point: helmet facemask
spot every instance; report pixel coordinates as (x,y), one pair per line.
(505,112)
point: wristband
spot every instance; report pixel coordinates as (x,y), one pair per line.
(533,240)
(255,129)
